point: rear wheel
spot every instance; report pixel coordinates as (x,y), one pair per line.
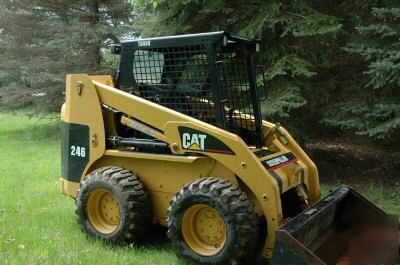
(113,205)
(211,221)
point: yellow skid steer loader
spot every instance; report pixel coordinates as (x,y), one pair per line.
(177,139)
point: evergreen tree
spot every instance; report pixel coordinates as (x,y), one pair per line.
(297,39)
(311,77)
(313,73)
(375,110)
(42,41)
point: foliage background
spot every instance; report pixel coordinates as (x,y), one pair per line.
(332,66)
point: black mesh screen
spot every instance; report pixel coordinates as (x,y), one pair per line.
(235,87)
(177,78)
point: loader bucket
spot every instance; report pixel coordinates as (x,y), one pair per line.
(343,228)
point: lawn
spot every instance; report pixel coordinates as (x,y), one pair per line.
(37,222)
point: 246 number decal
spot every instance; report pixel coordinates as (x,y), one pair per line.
(78,151)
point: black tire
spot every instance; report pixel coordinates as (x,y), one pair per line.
(132,198)
(237,211)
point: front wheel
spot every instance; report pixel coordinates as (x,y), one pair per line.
(211,221)
(113,205)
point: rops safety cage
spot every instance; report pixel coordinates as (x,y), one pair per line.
(210,77)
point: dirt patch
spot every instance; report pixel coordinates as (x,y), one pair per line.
(356,163)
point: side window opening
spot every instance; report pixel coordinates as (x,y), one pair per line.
(148,67)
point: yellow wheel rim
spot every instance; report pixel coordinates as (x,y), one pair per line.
(103,211)
(203,229)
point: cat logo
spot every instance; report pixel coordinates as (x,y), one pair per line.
(193,141)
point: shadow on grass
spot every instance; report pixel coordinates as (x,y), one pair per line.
(156,238)
(32,133)
(20,126)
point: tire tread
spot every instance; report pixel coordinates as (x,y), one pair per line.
(242,209)
(132,190)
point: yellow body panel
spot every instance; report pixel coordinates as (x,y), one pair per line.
(83,107)
(164,175)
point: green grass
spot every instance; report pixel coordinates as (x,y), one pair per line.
(378,194)
(38,223)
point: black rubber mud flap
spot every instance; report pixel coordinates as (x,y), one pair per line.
(339,228)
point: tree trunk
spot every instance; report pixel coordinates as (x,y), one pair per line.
(94,52)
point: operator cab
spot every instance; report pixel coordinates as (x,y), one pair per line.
(208,76)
